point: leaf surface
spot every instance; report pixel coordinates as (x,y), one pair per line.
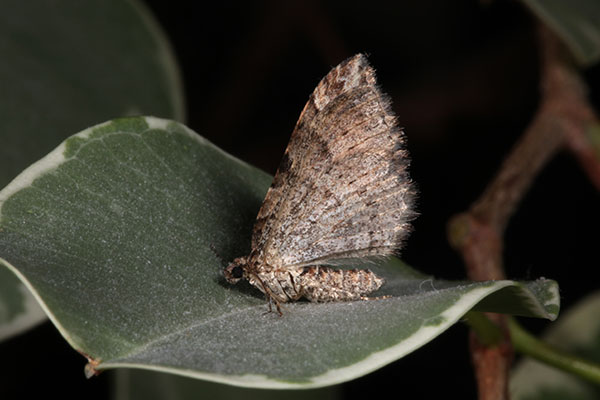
(113,231)
(57,82)
(577,23)
(577,332)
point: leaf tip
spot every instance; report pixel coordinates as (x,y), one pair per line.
(91,368)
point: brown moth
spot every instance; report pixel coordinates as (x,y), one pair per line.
(342,191)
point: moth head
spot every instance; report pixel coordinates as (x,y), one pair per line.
(235,271)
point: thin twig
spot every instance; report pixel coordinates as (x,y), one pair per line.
(562,120)
(528,344)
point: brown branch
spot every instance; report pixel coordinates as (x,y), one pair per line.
(562,120)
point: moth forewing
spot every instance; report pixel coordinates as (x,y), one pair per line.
(342,191)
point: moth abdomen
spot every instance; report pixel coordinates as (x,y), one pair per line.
(323,284)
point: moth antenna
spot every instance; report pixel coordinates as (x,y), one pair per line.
(224,262)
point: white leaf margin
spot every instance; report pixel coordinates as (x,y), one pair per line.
(31,315)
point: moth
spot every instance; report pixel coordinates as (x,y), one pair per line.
(342,191)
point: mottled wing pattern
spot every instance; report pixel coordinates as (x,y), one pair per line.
(342,189)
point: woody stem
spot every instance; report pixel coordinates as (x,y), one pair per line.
(561,121)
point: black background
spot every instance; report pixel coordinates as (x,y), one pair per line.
(463,79)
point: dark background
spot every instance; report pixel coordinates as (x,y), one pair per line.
(463,79)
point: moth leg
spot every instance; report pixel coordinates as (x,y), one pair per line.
(278,305)
(271,298)
(299,290)
(284,289)
(270,301)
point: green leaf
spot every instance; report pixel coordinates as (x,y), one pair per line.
(577,22)
(135,384)
(577,332)
(55,82)
(71,64)
(18,308)
(113,231)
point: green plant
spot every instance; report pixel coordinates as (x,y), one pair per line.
(112,233)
